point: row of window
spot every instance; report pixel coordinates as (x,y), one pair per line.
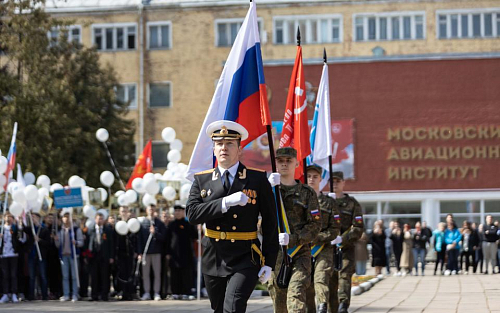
(159,94)
(315,29)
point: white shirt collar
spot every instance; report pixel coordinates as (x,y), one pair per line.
(232,170)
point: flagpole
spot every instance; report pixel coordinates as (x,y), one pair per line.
(113,165)
(304,161)
(330,160)
(281,224)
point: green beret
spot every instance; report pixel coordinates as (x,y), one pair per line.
(286,152)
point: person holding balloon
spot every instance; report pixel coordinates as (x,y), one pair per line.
(125,254)
(67,237)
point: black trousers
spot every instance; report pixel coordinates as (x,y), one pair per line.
(468,255)
(231,293)
(181,280)
(440,259)
(125,275)
(9,271)
(99,272)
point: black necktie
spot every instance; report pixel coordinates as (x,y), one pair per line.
(227,184)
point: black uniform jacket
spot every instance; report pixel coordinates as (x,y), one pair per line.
(225,257)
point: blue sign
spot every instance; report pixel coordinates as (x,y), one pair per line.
(68,197)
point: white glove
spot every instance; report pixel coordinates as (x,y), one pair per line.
(265,274)
(237,198)
(332,195)
(283,238)
(337,240)
(274,179)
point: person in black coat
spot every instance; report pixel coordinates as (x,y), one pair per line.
(54,277)
(420,239)
(102,248)
(180,252)
(229,199)
(377,241)
(154,227)
(470,242)
(125,256)
(397,237)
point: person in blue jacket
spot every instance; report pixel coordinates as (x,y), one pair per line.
(439,246)
(452,238)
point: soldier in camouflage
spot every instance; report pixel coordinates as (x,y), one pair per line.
(351,228)
(330,228)
(300,204)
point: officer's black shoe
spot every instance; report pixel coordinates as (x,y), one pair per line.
(322,308)
(343,308)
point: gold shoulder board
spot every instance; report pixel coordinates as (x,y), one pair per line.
(205,172)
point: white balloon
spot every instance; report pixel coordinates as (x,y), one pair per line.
(133,225)
(168,134)
(90,223)
(104,194)
(176,144)
(55,186)
(3,180)
(19,196)
(36,206)
(42,193)
(138,185)
(107,178)
(16,209)
(102,135)
(169,193)
(121,228)
(74,181)
(104,212)
(148,199)
(31,193)
(174,156)
(172,165)
(29,178)
(169,175)
(158,176)
(13,186)
(182,168)
(122,200)
(131,196)
(43,181)
(3,164)
(148,176)
(119,193)
(141,219)
(89,211)
(151,186)
(184,192)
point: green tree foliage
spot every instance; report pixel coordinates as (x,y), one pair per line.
(59,94)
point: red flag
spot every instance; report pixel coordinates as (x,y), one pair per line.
(143,165)
(295,128)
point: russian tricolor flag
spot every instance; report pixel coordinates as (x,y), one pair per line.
(11,157)
(240,95)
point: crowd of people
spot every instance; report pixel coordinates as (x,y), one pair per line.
(470,248)
(157,262)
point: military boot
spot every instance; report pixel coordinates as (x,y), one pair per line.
(322,308)
(343,308)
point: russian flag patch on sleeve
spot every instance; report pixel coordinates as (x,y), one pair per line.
(315,214)
(359,219)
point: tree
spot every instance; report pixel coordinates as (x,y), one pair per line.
(60,95)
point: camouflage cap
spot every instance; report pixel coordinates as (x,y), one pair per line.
(286,152)
(338,175)
(314,167)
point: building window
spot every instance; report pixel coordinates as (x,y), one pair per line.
(127,93)
(74,33)
(160,95)
(468,24)
(160,35)
(389,26)
(226,31)
(159,154)
(112,37)
(314,29)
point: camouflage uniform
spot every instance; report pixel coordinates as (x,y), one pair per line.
(351,221)
(323,265)
(299,201)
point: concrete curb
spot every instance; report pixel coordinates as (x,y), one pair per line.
(364,287)
(259,293)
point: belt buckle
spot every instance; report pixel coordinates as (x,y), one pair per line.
(223,235)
